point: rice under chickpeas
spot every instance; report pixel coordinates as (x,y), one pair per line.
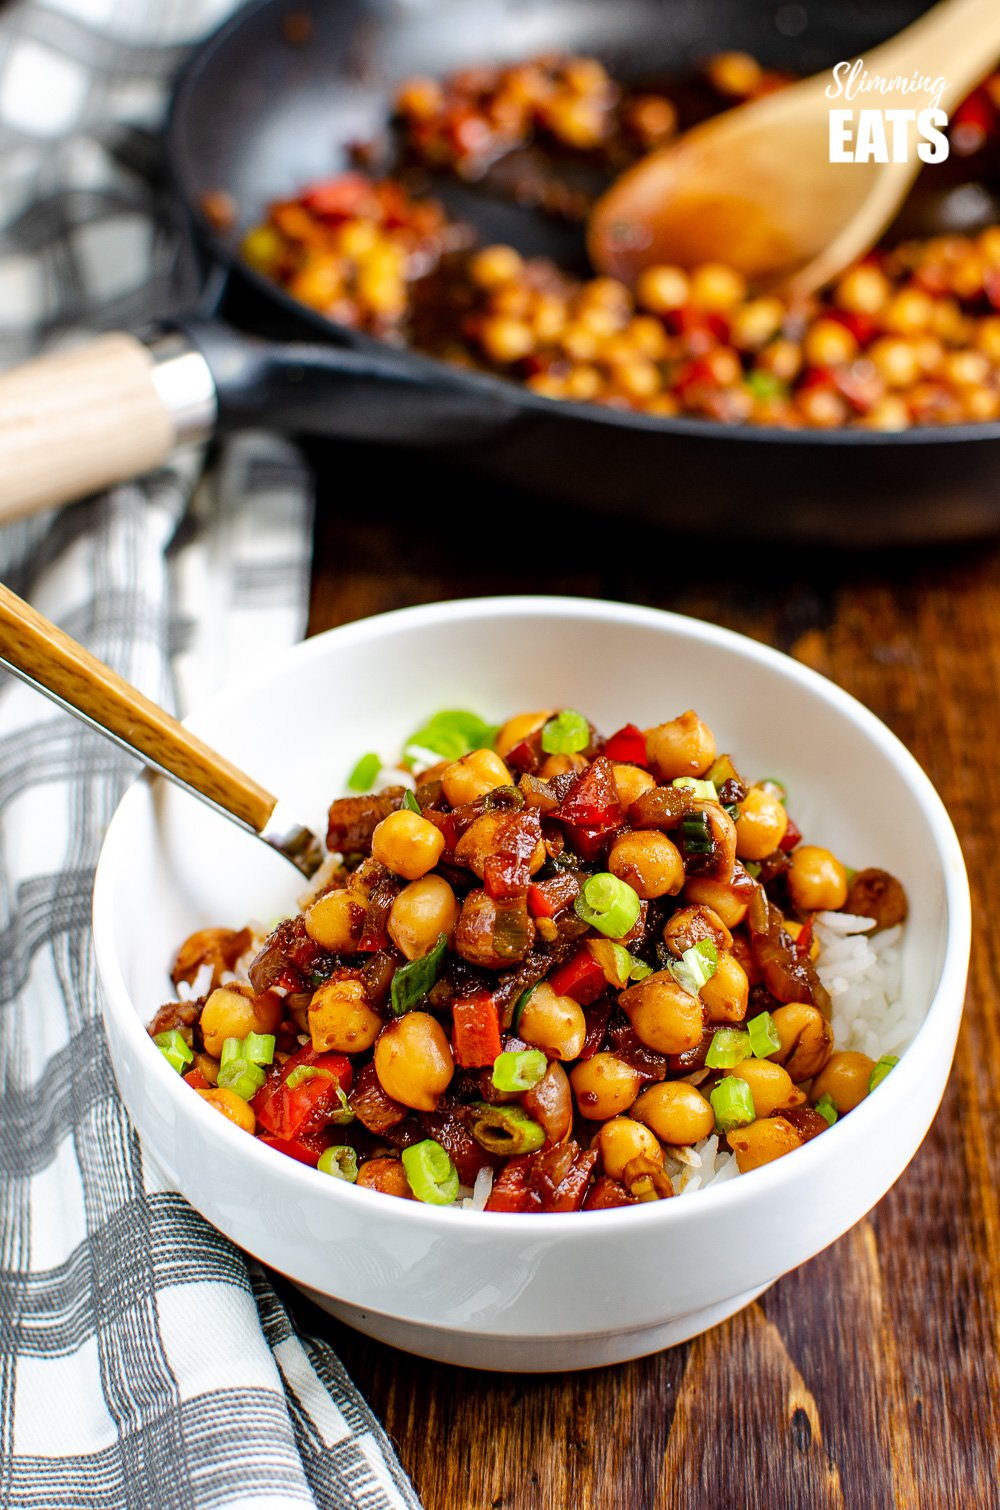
(862,973)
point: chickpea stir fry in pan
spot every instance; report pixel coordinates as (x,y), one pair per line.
(556,957)
(909,336)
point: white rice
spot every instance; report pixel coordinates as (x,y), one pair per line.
(869,1015)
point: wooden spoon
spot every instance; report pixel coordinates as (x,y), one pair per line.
(755,188)
(40,653)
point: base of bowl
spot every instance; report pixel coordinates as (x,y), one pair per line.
(530,1355)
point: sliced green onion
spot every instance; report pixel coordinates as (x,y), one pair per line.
(885,1064)
(608,904)
(705,789)
(519,1006)
(764,1036)
(752,867)
(433,1177)
(363,775)
(776,788)
(826,1108)
(339,1160)
(505,1130)
(733,810)
(519,1072)
(448,736)
(232,1048)
(732,1103)
(729,1046)
(175,1050)
(241,1076)
(259,1048)
(412,981)
(410,802)
(696,835)
(764,385)
(566,734)
(695,966)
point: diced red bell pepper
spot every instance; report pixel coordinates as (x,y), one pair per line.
(592,801)
(627,746)
(587,842)
(309,1105)
(793,836)
(605,1194)
(196,1080)
(475,1033)
(581,978)
(526,756)
(337,198)
(548,898)
(306,1148)
(861,326)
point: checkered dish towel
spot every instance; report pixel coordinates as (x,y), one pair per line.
(144,1363)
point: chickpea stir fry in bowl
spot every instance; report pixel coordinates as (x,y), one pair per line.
(910,336)
(543,971)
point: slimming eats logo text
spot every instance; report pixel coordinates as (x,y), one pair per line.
(876,134)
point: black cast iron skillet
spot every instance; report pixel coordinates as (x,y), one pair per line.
(261,116)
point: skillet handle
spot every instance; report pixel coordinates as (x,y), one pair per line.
(80,419)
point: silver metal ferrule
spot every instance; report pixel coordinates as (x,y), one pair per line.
(184,382)
(285,833)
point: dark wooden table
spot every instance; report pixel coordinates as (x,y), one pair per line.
(870,1377)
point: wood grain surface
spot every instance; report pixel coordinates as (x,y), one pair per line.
(870,1377)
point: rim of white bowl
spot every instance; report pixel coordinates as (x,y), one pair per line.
(944,1011)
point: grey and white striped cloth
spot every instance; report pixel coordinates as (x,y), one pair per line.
(144,1362)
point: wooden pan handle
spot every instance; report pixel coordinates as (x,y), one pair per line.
(71,675)
(79,420)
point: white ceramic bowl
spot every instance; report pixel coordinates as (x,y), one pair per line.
(513,1291)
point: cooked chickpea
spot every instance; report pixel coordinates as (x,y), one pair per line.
(630,782)
(233,1012)
(735,73)
(895,361)
(689,925)
(762,824)
(517,729)
(473,776)
(766,1139)
(683,747)
(340,1019)
(716,287)
(422,911)
(756,322)
(863,290)
(806,1039)
(828,343)
(413,1060)
(817,882)
(494,266)
(621,1140)
(908,312)
(663,1015)
(662,289)
(505,339)
(702,891)
(558,765)
(676,1112)
(386,1175)
(844,1078)
(604,1086)
(771,1086)
(727,991)
(232,1106)
(408,844)
(554,1023)
(648,861)
(336,920)
(479,842)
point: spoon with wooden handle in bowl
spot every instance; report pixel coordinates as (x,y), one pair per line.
(42,655)
(755,187)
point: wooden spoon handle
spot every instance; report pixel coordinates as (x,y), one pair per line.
(43,654)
